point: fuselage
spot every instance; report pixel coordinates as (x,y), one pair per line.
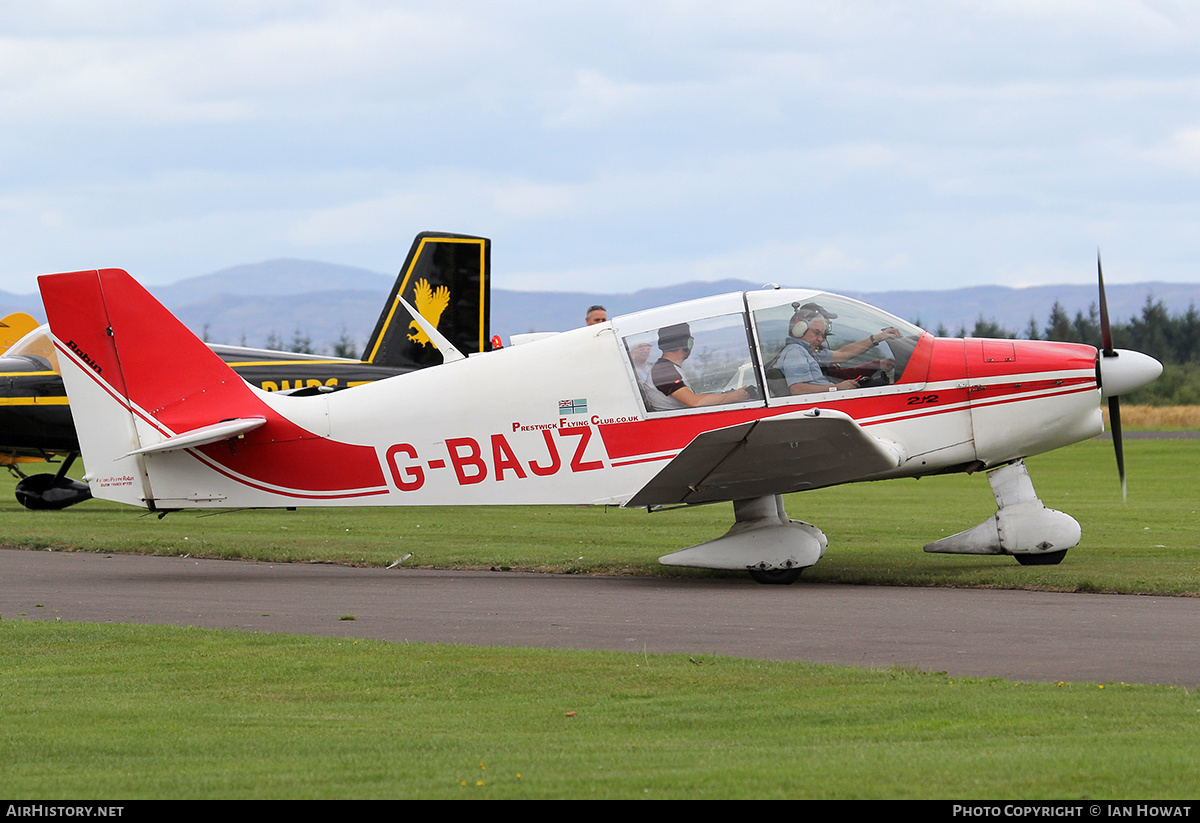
(570,419)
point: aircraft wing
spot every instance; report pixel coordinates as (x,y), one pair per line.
(776,455)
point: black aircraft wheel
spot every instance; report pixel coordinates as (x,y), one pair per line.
(778,577)
(48,492)
(1043,559)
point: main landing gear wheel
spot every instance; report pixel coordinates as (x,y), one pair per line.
(1043,559)
(779,577)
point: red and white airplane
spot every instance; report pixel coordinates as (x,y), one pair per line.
(750,396)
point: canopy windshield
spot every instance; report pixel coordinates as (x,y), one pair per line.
(763,347)
(842,340)
(37,346)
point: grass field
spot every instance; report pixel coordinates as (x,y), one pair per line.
(109,712)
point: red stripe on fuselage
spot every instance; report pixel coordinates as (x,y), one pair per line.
(1035,362)
(337,494)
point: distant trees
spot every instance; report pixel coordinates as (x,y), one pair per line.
(1173,339)
(301,343)
(345,346)
(989,328)
(1170,338)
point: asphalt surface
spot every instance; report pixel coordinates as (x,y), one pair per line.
(966,632)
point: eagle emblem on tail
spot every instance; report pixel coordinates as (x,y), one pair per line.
(430,303)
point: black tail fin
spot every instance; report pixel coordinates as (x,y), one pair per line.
(447,278)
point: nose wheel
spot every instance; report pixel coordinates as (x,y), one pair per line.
(1022,525)
(1044,559)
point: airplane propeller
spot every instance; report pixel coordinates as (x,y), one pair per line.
(1118,375)
(1114,401)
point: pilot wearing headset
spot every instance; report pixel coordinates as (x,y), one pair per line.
(804,353)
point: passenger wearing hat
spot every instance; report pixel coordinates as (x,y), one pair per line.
(666,377)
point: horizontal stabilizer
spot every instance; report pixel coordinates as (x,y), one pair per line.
(225,430)
(777,455)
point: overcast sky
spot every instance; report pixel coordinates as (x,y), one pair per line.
(607,145)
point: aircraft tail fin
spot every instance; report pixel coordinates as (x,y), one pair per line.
(164,423)
(127,394)
(447,278)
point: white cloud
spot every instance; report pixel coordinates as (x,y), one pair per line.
(929,144)
(234,69)
(1181,152)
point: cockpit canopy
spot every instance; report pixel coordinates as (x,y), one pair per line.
(736,341)
(847,324)
(33,352)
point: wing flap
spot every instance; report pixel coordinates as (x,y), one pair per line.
(776,455)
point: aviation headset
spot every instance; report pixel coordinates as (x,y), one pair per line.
(803,317)
(801,322)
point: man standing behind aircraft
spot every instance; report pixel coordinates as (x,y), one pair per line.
(595,314)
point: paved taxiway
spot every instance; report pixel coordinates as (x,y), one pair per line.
(1019,635)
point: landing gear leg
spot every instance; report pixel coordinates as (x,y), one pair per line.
(1022,525)
(763,540)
